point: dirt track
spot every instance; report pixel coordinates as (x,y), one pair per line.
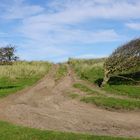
(46,106)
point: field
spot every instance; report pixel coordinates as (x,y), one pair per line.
(65,102)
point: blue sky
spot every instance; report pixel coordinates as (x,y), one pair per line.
(55,30)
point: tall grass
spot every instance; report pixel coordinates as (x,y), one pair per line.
(23,69)
(91,70)
(21,74)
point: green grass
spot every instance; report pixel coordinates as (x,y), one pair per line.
(107,102)
(13,132)
(84,88)
(114,103)
(91,70)
(126,90)
(61,72)
(92,74)
(20,75)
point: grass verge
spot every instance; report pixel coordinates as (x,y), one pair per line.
(113,103)
(13,132)
(125,90)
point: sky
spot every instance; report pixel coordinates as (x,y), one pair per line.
(56,30)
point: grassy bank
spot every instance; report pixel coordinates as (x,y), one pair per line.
(20,75)
(92,71)
(113,103)
(132,91)
(13,132)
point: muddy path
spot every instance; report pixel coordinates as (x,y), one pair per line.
(46,106)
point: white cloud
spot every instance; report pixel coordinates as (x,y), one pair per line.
(58,35)
(79,10)
(18,9)
(67,11)
(135,26)
(52,27)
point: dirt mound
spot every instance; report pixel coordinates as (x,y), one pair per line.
(46,106)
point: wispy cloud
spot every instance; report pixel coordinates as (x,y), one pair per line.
(133,25)
(78,10)
(53,27)
(18,9)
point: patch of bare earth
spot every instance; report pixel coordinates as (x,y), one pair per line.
(45,106)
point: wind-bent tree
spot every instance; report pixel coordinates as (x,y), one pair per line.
(7,54)
(123,60)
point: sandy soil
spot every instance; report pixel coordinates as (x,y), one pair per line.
(46,106)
